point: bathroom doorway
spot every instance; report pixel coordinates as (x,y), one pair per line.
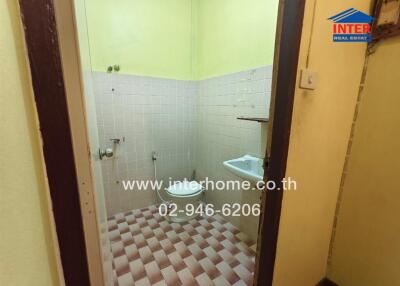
(128,238)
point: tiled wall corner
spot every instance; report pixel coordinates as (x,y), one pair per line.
(221,136)
(182,121)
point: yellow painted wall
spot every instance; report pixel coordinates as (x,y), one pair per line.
(234,35)
(145,37)
(27,255)
(319,135)
(181,39)
(367,242)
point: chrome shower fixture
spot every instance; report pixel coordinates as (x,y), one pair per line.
(108,153)
(115,140)
(154,156)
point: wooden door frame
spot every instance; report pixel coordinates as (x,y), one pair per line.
(70,192)
(38,20)
(53,54)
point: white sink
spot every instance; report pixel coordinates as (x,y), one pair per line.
(247,167)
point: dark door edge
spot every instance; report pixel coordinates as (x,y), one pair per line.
(287,50)
(38,19)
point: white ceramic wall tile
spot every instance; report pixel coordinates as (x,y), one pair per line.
(147,114)
(181,121)
(221,136)
(220,101)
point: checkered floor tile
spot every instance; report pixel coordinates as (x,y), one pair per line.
(149,250)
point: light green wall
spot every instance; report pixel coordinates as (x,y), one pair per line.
(181,39)
(234,35)
(145,37)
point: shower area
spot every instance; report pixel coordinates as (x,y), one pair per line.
(176,90)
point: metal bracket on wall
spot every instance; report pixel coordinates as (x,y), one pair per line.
(115,68)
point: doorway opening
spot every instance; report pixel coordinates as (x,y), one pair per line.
(208,121)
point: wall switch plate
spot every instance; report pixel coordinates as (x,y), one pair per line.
(308,79)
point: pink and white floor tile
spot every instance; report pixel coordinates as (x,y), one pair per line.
(149,250)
